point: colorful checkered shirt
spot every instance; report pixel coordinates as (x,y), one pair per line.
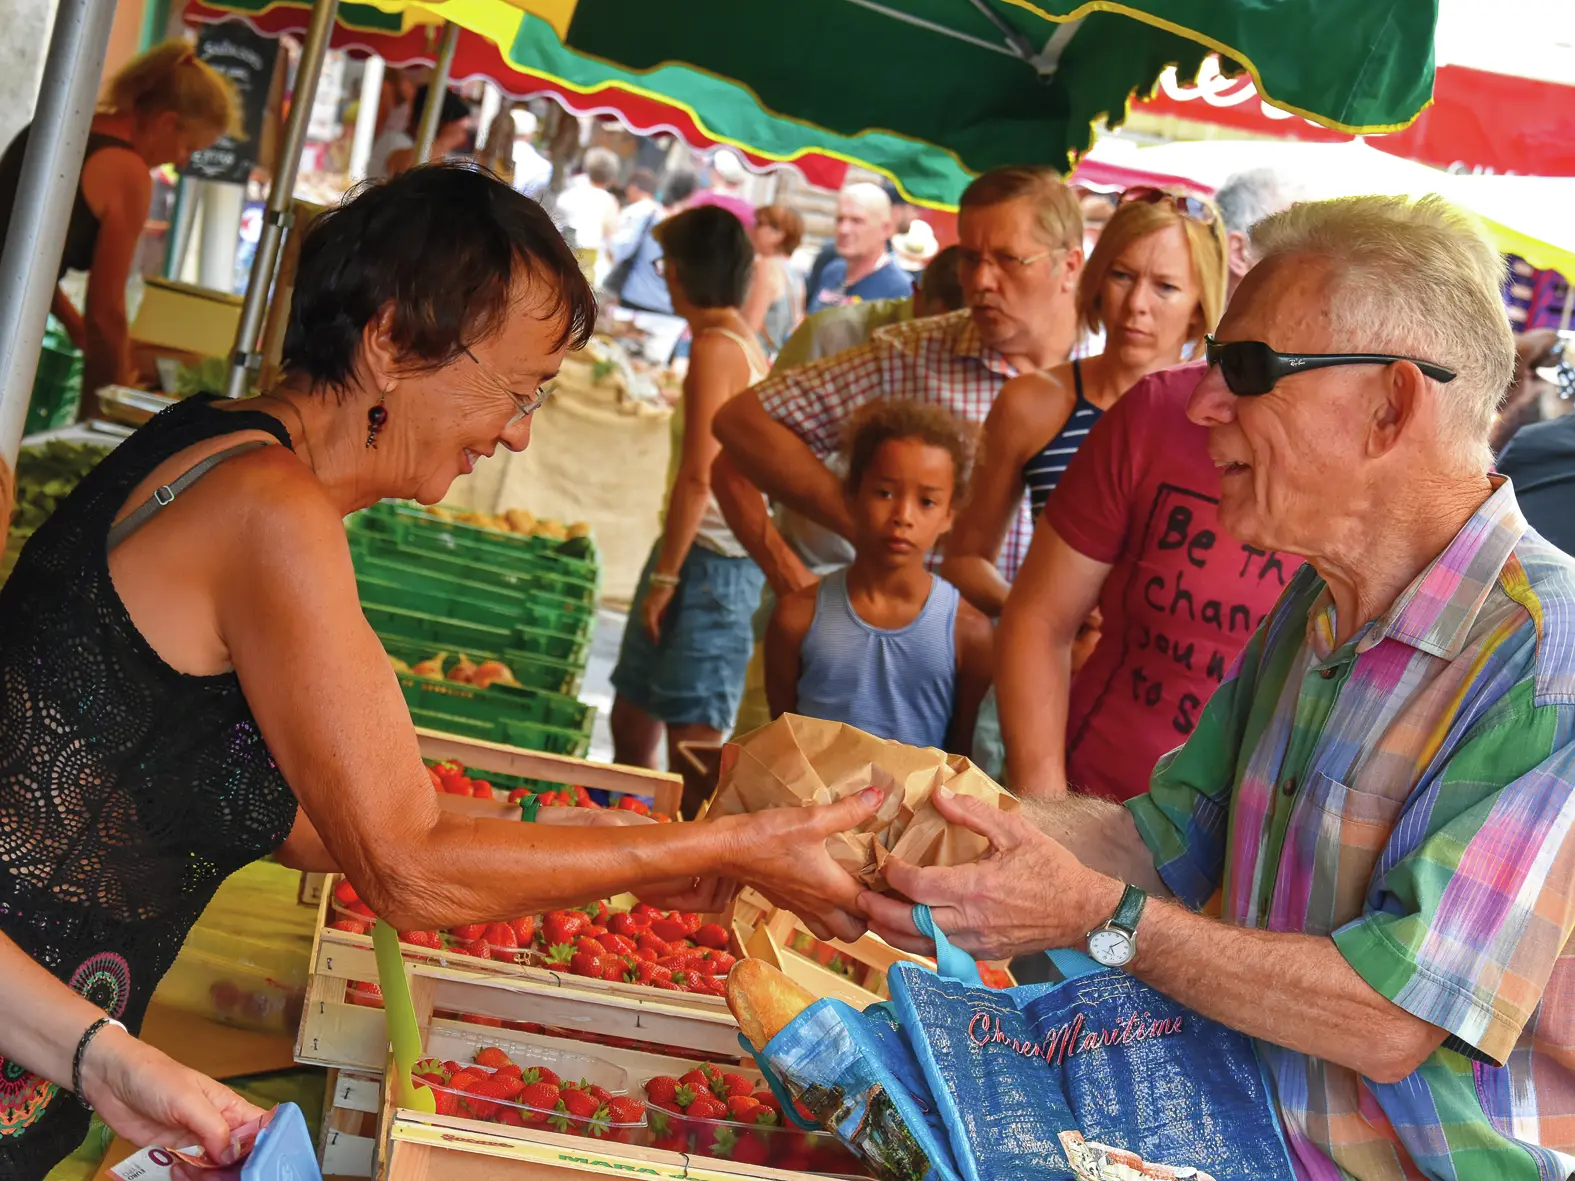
(1410,793)
(939,359)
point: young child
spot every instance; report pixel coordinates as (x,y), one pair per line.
(885,645)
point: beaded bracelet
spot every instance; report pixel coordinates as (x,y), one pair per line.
(660,579)
(76,1062)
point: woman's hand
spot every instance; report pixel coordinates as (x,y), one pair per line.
(149,1098)
(782,853)
(653,606)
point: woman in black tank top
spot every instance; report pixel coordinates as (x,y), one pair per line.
(189,682)
(1154,283)
(163,106)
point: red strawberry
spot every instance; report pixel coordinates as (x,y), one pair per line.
(433,1066)
(344,892)
(730,1085)
(672,1142)
(367,994)
(752,1148)
(646,972)
(483,1097)
(352,926)
(711,985)
(712,935)
(629,925)
(468,932)
(562,926)
(492,1056)
(661,1088)
(507,1085)
(650,942)
(596,930)
(646,954)
(624,1109)
(518,794)
(479,949)
(525,930)
(446,1102)
(615,968)
(542,1074)
(429,939)
(589,946)
(501,935)
(467,1078)
(647,910)
(481,788)
(742,1107)
(618,944)
(723,962)
(689,919)
(767,1099)
(697,1081)
(581,1106)
(437,780)
(541,1096)
(361,910)
(706,1106)
(671,930)
(587,963)
(513,1117)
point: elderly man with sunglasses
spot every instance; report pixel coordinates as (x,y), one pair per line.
(1364,856)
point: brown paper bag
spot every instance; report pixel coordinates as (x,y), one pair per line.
(797,761)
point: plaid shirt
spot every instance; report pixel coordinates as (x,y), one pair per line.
(1410,793)
(939,359)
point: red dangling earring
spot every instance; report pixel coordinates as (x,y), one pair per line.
(376,420)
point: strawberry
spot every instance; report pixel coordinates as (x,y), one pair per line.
(647,941)
(768,1100)
(430,939)
(661,817)
(697,1081)
(742,1107)
(525,930)
(629,925)
(479,949)
(502,935)
(588,946)
(559,955)
(647,911)
(518,794)
(508,1086)
(646,954)
(437,780)
(723,962)
(711,986)
(512,1069)
(646,972)
(731,1086)
(351,926)
(660,1088)
(600,1094)
(513,1117)
(466,1078)
(562,926)
(579,1105)
(706,1106)
(689,919)
(367,994)
(712,935)
(468,932)
(752,1148)
(624,1109)
(344,892)
(616,969)
(634,804)
(672,930)
(446,1102)
(673,1142)
(481,1099)
(493,1057)
(541,1074)
(361,910)
(618,944)
(541,1096)
(596,930)
(434,1067)
(481,788)
(587,963)
(683,981)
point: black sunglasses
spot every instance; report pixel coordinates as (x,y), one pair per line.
(1251,368)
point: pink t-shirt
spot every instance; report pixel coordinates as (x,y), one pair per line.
(1182,597)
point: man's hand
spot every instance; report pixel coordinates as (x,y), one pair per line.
(1028,894)
(653,606)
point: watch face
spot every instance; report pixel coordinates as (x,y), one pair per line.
(1111,946)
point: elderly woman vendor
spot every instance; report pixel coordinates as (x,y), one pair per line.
(189,682)
(1380,796)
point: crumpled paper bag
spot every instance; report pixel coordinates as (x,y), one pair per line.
(797,761)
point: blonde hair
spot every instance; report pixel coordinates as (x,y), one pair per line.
(171,77)
(1416,277)
(1138,219)
(1056,202)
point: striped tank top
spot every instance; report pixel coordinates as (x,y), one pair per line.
(896,683)
(1044,471)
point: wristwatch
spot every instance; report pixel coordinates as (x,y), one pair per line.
(1115,942)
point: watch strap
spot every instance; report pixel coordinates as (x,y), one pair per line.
(1129,910)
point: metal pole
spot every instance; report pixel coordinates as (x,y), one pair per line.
(366,117)
(46,190)
(281,193)
(437,86)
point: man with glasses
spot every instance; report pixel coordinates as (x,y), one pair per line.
(1019,255)
(1364,855)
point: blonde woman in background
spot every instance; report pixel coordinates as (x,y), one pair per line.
(1154,284)
(159,109)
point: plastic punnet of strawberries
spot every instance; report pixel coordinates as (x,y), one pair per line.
(717,1112)
(496,1089)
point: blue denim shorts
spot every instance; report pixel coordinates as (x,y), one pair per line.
(695,676)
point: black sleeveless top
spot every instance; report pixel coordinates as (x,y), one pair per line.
(82,230)
(1044,471)
(128,790)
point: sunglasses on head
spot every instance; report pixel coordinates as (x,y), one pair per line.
(1251,368)
(1193,208)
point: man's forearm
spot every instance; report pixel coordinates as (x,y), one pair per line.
(1033,687)
(746,514)
(780,464)
(1296,991)
(1101,834)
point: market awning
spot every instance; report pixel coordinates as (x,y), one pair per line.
(884,83)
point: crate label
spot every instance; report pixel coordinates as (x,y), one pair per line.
(356,1094)
(345,1155)
(529,1150)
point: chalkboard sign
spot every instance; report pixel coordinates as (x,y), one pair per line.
(247,58)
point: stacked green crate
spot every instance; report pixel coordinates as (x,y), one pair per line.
(429,586)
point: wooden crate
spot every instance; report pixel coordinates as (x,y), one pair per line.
(351,1103)
(664,790)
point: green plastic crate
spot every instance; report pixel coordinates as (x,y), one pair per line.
(57,386)
(495,605)
(532,672)
(399,519)
(568,595)
(486,546)
(455,635)
(527,735)
(498,703)
(462,608)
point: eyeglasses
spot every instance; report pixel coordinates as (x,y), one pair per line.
(659,265)
(1190,207)
(1251,368)
(1006,264)
(522,406)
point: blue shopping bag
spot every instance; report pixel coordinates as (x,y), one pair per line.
(951,1081)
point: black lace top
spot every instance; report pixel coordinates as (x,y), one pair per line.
(128,791)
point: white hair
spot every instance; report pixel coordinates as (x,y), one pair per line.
(1416,277)
(1246,198)
(871,196)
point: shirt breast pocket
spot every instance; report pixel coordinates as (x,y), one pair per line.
(1337,834)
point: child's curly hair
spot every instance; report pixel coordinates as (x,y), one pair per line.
(879,421)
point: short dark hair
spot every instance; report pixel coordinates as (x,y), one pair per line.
(643,179)
(940,286)
(883,420)
(453,110)
(707,250)
(443,245)
(679,187)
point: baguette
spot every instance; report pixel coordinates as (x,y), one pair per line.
(763,1000)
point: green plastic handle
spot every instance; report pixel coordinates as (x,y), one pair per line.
(403,1032)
